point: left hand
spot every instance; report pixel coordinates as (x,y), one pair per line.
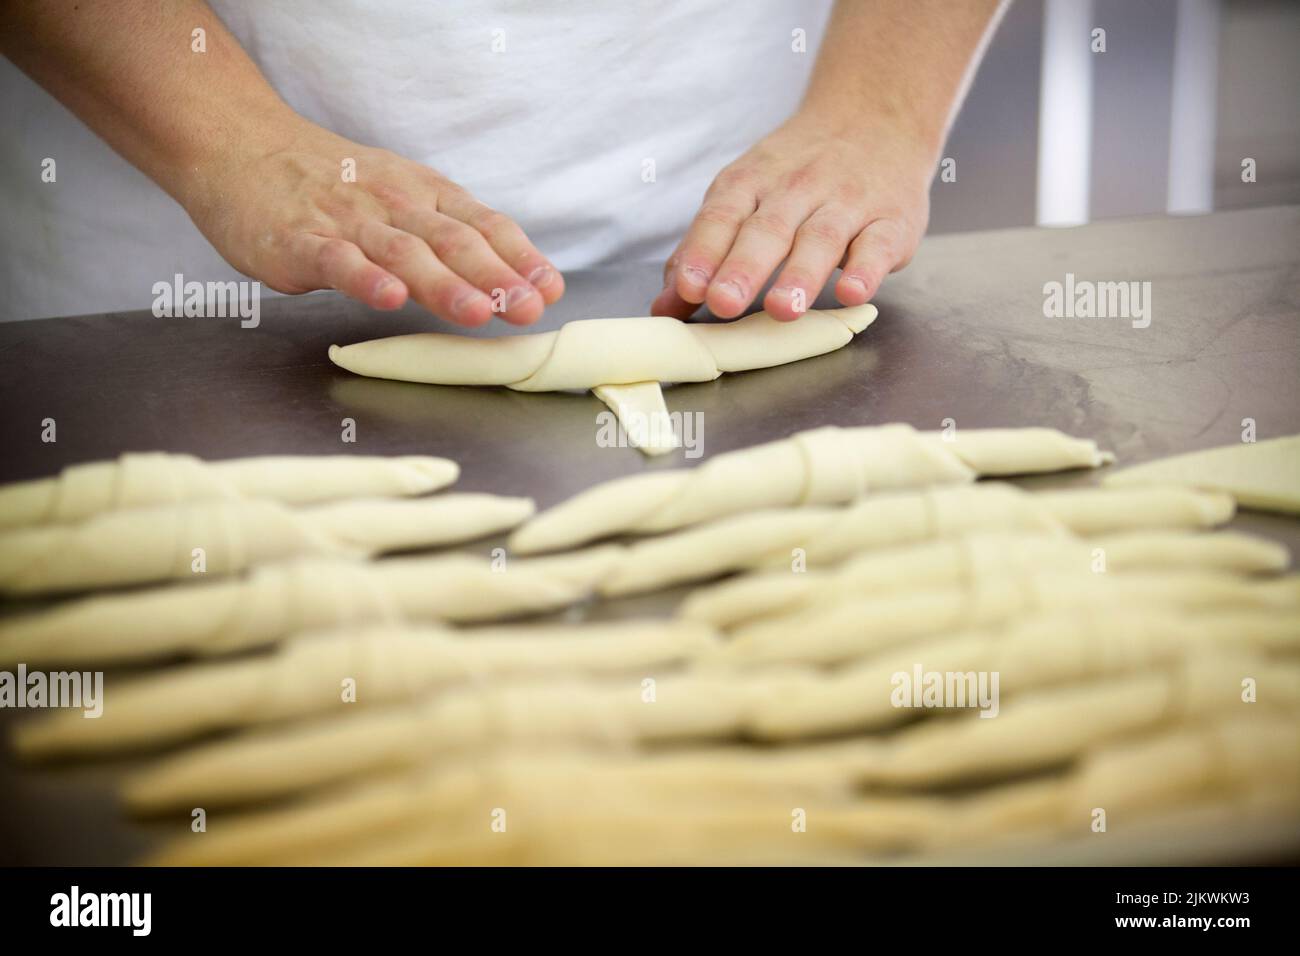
(815,198)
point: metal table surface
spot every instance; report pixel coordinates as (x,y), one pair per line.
(961,335)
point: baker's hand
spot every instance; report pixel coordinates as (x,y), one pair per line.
(813,198)
(290,214)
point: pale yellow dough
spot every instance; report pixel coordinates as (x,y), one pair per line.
(967,559)
(277,600)
(280,598)
(214,538)
(641,410)
(604,354)
(1037,729)
(591,352)
(822,536)
(1124,635)
(822,466)
(304,677)
(147,479)
(1261,475)
(732,804)
(847,626)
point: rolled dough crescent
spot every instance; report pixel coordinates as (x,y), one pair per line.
(962,560)
(1048,726)
(277,600)
(387,663)
(591,352)
(604,354)
(585,807)
(146,479)
(1035,730)
(1054,648)
(822,466)
(146,545)
(641,411)
(1261,475)
(846,627)
(821,536)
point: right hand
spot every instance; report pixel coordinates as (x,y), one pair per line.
(282,213)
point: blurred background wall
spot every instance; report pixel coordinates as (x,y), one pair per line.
(1240,76)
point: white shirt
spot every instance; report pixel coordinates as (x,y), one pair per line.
(595,124)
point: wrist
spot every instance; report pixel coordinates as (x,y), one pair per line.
(880,135)
(200,175)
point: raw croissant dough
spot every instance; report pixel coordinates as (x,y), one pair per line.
(145,545)
(636,799)
(1045,649)
(960,561)
(825,536)
(592,352)
(456,721)
(277,600)
(600,353)
(1035,730)
(1263,475)
(390,665)
(964,579)
(436,795)
(831,631)
(641,410)
(304,677)
(145,479)
(824,466)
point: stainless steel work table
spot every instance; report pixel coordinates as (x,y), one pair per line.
(961,336)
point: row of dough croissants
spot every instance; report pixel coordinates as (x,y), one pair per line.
(866,644)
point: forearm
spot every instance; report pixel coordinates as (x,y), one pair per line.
(263,184)
(127,69)
(897,66)
(844,183)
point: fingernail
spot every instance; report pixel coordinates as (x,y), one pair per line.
(465,302)
(695,276)
(797,296)
(732,288)
(516,295)
(854,280)
(383,285)
(541,277)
